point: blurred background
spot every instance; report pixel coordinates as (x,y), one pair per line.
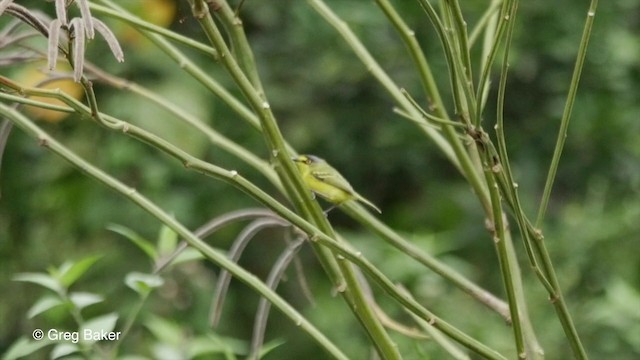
(328,104)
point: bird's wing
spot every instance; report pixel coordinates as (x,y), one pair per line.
(333,178)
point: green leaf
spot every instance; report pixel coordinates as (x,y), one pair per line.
(203,346)
(41,279)
(624,298)
(25,347)
(97,327)
(143,283)
(189,254)
(164,330)
(70,274)
(145,245)
(231,345)
(62,350)
(167,240)
(270,346)
(132,357)
(43,304)
(163,351)
(84,299)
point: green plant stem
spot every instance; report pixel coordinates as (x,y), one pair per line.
(396,240)
(507,262)
(484,21)
(237,37)
(532,345)
(448,52)
(275,276)
(408,36)
(488,61)
(463,41)
(209,228)
(454,32)
(437,336)
(234,253)
(557,300)
(36,103)
(566,115)
(253,282)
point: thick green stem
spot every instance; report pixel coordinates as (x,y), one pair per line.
(505,258)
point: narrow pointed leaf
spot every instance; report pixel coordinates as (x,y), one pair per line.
(98,326)
(43,304)
(63,349)
(24,347)
(77,269)
(84,299)
(143,283)
(145,245)
(40,279)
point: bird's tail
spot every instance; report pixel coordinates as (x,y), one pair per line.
(363,200)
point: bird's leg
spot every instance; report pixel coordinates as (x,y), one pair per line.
(326,212)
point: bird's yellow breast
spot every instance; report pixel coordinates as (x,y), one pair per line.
(329,192)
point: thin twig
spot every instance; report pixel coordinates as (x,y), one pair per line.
(209,228)
(262,314)
(236,250)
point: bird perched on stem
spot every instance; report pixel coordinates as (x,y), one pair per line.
(327,182)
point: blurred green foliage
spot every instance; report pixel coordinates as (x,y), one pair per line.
(328,104)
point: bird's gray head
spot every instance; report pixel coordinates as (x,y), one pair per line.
(307,159)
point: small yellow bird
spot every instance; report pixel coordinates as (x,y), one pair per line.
(327,182)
